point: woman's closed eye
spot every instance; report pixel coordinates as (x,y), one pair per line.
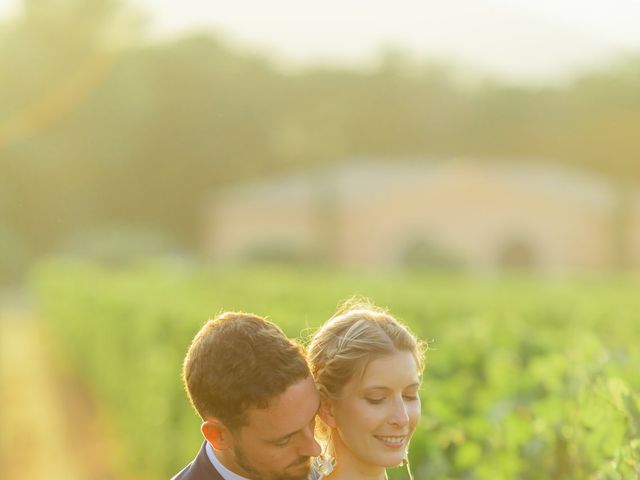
(379,400)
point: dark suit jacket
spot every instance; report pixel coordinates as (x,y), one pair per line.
(200,469)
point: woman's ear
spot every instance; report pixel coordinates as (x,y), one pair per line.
(326,411)
(216,434)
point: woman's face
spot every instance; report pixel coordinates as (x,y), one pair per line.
(377,414)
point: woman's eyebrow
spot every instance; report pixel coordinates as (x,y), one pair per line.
(382,387)
(367,389)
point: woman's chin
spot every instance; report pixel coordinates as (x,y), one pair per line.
(391,461)
(391,455)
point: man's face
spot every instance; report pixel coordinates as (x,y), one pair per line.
(276,442)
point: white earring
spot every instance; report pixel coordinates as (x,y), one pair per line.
(325,463)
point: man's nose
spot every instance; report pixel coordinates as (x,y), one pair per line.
(310,447)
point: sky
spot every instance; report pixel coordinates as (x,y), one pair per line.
(526,41)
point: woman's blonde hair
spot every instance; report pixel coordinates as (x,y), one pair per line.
(358,333)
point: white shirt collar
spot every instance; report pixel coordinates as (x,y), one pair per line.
(222,470)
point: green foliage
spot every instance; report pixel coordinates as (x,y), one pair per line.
(524,380)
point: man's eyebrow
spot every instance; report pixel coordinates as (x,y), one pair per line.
(284,437)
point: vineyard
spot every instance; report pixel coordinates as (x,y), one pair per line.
(525,379)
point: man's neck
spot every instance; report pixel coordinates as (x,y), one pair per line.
(218,462)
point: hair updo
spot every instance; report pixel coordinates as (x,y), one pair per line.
(358,333)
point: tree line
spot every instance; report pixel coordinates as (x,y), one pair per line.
(98,128)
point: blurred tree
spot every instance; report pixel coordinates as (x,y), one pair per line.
(603,135)
(97,129)
(13,256)
(58,51)
(53,57)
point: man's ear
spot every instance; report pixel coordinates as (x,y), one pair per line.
(216,433)
(326,411)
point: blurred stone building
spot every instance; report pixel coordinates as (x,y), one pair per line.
(432,214)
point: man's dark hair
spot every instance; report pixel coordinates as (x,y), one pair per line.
(239,361)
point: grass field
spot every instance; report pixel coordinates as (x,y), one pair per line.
(525,379)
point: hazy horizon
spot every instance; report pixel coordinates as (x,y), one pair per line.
(522,41)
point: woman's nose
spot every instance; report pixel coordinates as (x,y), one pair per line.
(399,415)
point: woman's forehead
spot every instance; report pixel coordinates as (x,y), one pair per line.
(392,370)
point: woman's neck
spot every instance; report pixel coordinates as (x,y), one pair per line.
(350,472)
(350,467)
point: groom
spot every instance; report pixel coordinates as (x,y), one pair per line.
(252,388)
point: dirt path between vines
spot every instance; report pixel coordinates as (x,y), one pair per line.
(49,428)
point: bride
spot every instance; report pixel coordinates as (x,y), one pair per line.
(368,368)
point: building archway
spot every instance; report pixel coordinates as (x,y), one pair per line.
(518,254)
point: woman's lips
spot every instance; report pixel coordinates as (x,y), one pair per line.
(392,441)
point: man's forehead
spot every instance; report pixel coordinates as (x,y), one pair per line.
(290,411)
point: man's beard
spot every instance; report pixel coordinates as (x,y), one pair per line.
(243,461)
